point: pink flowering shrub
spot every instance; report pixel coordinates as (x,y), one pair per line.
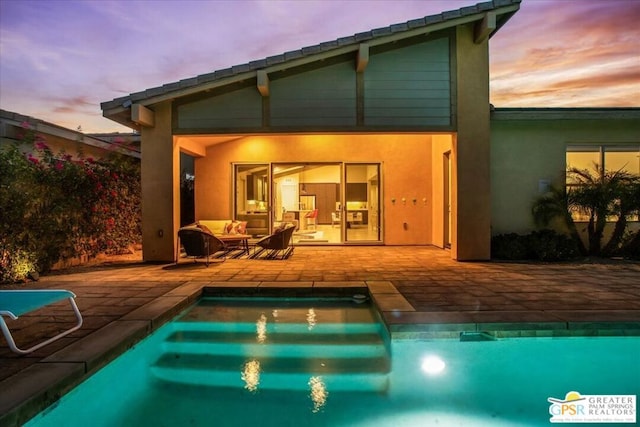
(55,208)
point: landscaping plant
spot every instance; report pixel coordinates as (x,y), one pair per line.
(603,197)
(56,206)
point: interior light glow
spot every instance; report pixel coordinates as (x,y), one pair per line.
(433,365)
(318,393)
(251,375)
(311,318)
(261,329)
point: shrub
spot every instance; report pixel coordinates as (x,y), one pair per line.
(509,246)
(547,245)
(55,207)
(16,265)
(544,245)
(631,246)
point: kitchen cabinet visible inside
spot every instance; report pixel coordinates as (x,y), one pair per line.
(356,192)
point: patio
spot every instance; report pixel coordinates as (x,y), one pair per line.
(420,291)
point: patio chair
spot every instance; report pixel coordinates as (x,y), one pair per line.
(290,217)
(15,303)
(312,218)
(335,218)
(278,242)
(199,243)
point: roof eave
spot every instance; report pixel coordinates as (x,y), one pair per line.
(41,126)
(584,113)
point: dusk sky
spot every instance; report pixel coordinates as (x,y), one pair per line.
(60,58)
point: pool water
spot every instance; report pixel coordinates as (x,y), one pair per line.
(232,362)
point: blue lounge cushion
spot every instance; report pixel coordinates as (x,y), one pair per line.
(15,303)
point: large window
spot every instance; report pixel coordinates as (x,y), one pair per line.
(604,158)
(601,159)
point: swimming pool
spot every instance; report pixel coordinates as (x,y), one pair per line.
(283,362)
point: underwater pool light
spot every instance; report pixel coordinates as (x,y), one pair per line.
(433,365)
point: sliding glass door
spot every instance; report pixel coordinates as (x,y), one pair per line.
(309,194)
(330,203)
(361,210)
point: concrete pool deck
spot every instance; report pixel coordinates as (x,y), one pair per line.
(420,291)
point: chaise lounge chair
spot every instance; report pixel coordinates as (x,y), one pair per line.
(278,242)
(199,243)
(15,303)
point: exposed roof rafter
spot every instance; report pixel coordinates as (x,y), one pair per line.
(363,57)
(483,29)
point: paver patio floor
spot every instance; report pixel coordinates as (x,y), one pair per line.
(417,289)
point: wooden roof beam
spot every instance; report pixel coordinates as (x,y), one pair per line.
(263,82)
(484,28)
(142,115)
(363,57)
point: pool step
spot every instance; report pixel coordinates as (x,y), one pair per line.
(279,373)
(278,326)
(227,313)
(277,344)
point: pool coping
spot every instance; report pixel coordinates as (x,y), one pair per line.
(32,390)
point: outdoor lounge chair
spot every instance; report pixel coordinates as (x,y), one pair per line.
(278,242)
(15,303)
(199,243)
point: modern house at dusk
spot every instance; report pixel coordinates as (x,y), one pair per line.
(388,135)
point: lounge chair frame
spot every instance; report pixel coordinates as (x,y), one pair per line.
(198,243)
(15,303)
(278,242)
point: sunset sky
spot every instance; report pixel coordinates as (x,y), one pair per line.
(60,58)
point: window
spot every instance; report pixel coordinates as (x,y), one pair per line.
(604,158)
(600,159)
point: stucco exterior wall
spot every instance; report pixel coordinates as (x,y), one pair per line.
(471,212)
(524,152)
(436,202)
(160,188)
(406,173)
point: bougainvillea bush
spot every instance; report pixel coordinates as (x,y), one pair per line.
(55,206)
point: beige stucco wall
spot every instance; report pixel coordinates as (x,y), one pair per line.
(471,209)
(160,176)
(442,143)
(406,173)
(525,152)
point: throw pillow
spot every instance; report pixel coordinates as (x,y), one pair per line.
(235,227)
(242,227)
(204,228)
(229,228)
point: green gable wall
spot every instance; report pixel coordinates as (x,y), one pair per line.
(409,86)
(325,97)
(238,109)
(404,86)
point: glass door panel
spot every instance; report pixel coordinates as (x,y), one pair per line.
(252,196)
(361,210)
(308,194)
